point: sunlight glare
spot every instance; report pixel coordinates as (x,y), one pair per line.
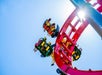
(81,15)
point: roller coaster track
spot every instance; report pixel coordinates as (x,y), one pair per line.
(72,30)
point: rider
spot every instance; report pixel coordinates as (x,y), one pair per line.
(46,49)
(41,41)
(76,53)
(54,30)
(50,28)
(47,24)
(65,42)
(40,46)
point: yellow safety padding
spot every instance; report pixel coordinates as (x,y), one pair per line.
(48,23)
(52,28)
(42,44)
(77,56)
(47,48)
(73,52)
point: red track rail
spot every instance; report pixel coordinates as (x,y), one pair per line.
(63,54)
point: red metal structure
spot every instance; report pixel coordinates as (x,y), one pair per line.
(71,30)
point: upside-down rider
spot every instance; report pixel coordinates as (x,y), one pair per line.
(46,49)
(76,52)
(50,28)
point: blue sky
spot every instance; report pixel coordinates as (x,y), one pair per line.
(20,28)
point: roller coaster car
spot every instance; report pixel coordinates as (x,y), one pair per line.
(76,53)
(47,24)
(60,72)
(44,48)
(50,28)
(65,42)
